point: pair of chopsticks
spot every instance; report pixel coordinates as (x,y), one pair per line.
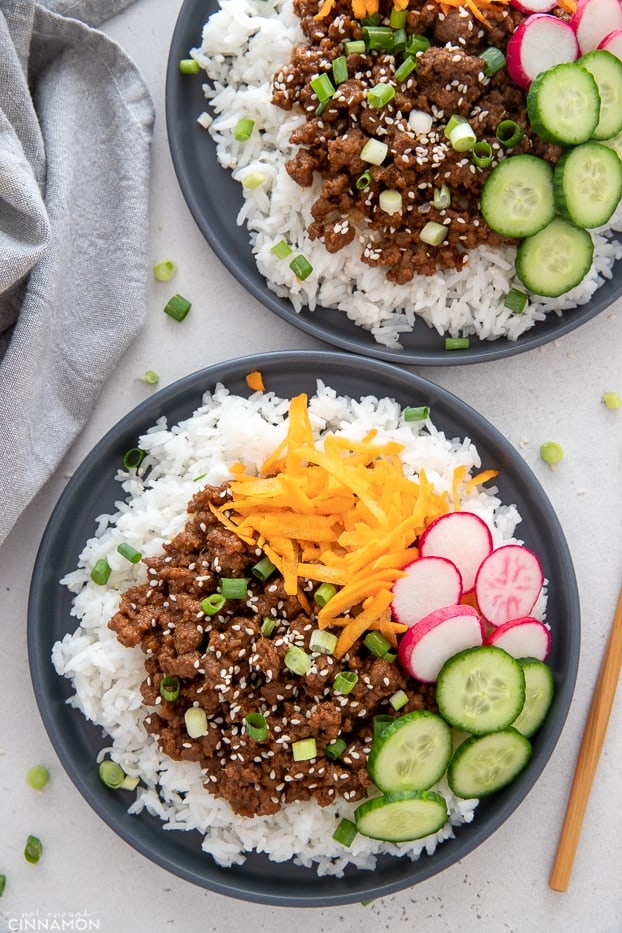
(589,753)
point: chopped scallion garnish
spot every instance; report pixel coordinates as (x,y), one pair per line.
(195,719)
(416,43)
(482,154)
(323,87)
(354,47)
(177,307)
(363,181)
(405,69)
(281,249)
(324,592)
(460,133)
(494,60)
(33,850)
(263,569)
(345,832)
(380,94)
(340,69)
(304,749)
(376,643)
(551,452)
(170,687)
(390,201)
(399,41)
(380,724)
(256,726)
(398,700)
(335,749)
(516,300)
(189,66)
(441,197)
(301,267)
(253,179)
(212,604)
(234,587)
(37,777)
(133,458)
(130,553)
(433,233)
(111,773)
(322,641)
(100,573)
(374,151)
(268,625)
(379,38)
(419,413)
(297,661)
(509,133)
(457,343)
(243,129)
(345,682)
(2,884)
(397,19)
(164,270)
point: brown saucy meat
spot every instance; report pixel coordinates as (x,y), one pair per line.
(229,669)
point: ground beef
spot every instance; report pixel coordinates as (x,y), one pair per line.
(228,668)
(449,79)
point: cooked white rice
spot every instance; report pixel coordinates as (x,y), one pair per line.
(243,44)
(107,677)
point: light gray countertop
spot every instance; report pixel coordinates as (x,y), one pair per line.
(551,393)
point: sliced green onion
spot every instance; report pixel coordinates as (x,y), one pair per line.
(399,41)
(335,749)
(243,129)
(304,749)
(130,553)
(200,476)
(324,592)
(150,377)
(164,270)
(322,641)
(100,573)
(281,249)
(398,700)
(509,133)
(482,154)
(416,43)
(380,724)
(390,656)
(177,307)
(133,458)
(33,850)
(397,19)
(457,343)
(379,38)
(111,774)
(301,267)
(390,201)
(252,180)
(321,107)
(37,777)
(494,60)
(441,198)
(405,69)
(373,19)
(268,625)
(195,719)
(234,587)
(205,119)
(340,69)
(363,181)
(374,151)
(345,832)
(263,569)
(213,603)
(433,234)
(516,300)
(354,47)
(417,414)
(551,452)
(2,884)
(380,94)
(170,687)
(345,682)
(130,783)
(612,400)
(189,66)
(256,726)
(376,643)
(323,87)
(460,133)
(297,661)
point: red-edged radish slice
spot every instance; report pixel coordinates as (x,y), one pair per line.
(508,583)
(534,6)
(425,647)
(593,20)
(613,43)
(522,638)
(538,43)
(461,537)
(430,583)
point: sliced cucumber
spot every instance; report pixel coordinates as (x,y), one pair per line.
(606,69)
(486,763)
(614,143)
(588,184)
(539,693)
(480,690)
(563,105)
(402,816)
(517,198)
(555,259)
(411,753)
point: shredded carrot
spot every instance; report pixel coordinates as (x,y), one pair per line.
(363,8)
(480,478)
(254,381)
(325,9)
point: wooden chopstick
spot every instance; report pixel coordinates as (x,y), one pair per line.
(589,753)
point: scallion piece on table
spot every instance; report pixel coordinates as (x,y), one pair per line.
(297,661)
(345,682)
(37,777)
(380,724)
(195,720)
(378,38)
(354,47)
(390,201)
(380,95)
(398,700)
(322,641)
(345,832)
(164,270)
(256,726)
(482,153)
(281,250)
(301,267)
(335,749)
(612,400)
(323,87)
(177,307)
(234,587)
(405,70)
(111,773)
(33,849)
(551,452)
(100,573)
(130,553)
(263,569)
(189,66)
(324,592)
(432,233)
(150,377)
(340,69)
(376,643)
(416,43)
(213,603)
(397,19)
(441,197)
(418,413)
(457,343)
(374,151)
(268,625)
(516,300)
(243,129)
(509,133)
(133,458)
(2,884)
(304,749)
(363,181)
(460,133)
(170,687)
(494,61)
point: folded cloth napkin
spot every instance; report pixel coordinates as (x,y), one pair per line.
(75,131)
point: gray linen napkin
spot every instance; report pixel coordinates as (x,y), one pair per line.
(75,130)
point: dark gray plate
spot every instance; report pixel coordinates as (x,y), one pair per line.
(214,200)
(93,490)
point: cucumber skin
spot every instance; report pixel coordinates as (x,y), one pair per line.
(374,765)
(525,261)
(538,86)
(375,804)
(536,718)
(471,792)
(597,62)
(565,172)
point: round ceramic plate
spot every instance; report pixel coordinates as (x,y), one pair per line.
(214,200)
(93,490)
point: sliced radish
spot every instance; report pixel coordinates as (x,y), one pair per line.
(461,537)
(593,20)
(613,43)
(534,6)
(538,43)
(508,583)
(430,583)
(425,647)
(522,638)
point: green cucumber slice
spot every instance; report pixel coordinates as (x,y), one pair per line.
(481,690)
(556,259)
(401,817)
(484,764)
(614,143)
(563,105)
(539,693)
(411,753)
(606,69)
(588,184)
(517,198)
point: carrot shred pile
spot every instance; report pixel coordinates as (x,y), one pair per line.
(345,514)
(363,8)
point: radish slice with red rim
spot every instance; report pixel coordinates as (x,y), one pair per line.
(508,583)
(593,20)
(538,43)
(425,647)
(429,584)
(526,637)
(613,43)
(534,6)
(461,537)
